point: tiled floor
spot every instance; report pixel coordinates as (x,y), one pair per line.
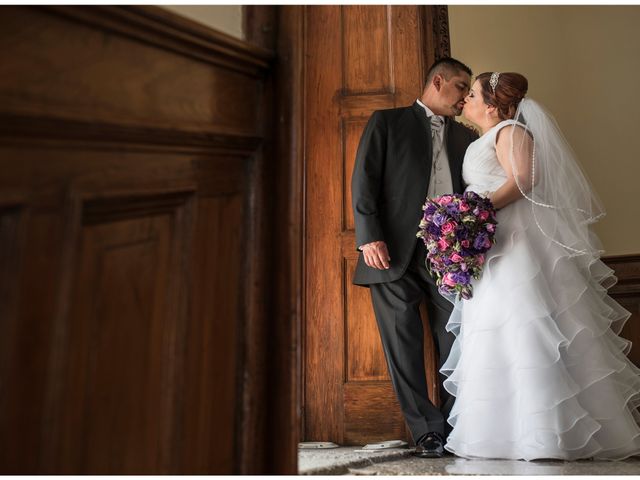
(345,460)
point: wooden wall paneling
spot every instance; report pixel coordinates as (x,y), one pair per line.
(135,143)
(125,324)
(627,293)
(12,235)
(69,69)
(29,332)
(213,357)
(171,32)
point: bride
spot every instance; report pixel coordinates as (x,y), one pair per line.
(538,369)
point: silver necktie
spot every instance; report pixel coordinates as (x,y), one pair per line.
(437,125)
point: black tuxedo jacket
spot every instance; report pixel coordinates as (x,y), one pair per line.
(390,181)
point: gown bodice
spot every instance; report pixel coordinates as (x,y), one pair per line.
(481,170)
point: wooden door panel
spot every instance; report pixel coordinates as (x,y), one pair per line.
(352,129)
(364,356)
(371,412)
(366,41)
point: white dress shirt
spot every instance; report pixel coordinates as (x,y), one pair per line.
(440,182)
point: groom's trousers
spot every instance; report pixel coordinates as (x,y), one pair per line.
(396,306)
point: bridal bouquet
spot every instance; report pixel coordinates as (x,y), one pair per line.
(457,230)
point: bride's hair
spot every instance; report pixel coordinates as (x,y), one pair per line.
(510,90)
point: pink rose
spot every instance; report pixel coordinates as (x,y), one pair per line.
(443,244)
(449,227)
(465,243)
(445,200)
(490,227)
(480,259)
(448,280)
(456,258)
(483,215)
(464,206)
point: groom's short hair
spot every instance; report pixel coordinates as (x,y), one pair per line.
(447,67)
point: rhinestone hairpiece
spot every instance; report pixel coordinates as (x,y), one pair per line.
(493,81)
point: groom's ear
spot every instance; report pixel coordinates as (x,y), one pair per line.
(437,81)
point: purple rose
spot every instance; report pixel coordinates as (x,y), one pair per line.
(451,208)
(481,242)
(429,209)
(433,229)
(439,219)
(461,278)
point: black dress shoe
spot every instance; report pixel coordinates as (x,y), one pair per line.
(430,446)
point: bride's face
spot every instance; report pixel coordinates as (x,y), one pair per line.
(474,107)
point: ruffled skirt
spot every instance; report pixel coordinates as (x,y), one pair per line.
(537,368)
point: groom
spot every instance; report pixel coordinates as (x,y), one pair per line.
(406,154)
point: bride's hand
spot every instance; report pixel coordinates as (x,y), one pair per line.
(376,255)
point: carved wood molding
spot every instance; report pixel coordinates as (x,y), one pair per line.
(118,207)
(435,34)
(170,31)
(435,27)
(440,15)
(38,129)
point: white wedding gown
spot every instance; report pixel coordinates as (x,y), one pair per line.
(537,368)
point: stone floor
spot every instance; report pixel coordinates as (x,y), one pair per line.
(398,461)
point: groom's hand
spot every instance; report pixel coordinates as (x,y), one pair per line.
(376,255)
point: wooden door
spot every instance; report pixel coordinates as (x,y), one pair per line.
(358,59)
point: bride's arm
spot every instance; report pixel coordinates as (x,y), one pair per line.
(509,191)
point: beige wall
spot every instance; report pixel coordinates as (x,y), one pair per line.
(583,64)
(226,18)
